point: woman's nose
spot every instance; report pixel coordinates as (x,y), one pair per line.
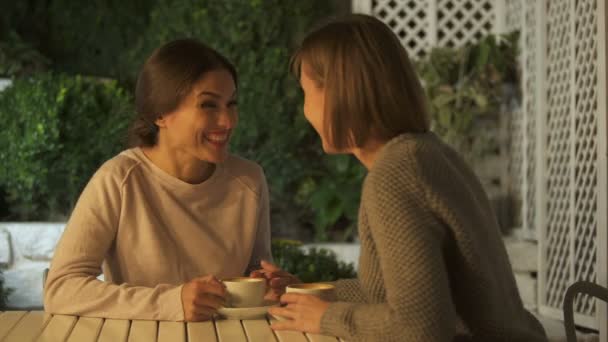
(228,118)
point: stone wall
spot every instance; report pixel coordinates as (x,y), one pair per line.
(26,250)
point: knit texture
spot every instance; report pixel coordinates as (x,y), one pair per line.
(433,266)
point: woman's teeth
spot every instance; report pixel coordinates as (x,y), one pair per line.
(217,138)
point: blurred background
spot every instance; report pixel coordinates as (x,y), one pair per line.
(72,67)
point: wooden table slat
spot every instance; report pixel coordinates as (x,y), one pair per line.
(87,329)
(321,338)
(8,320)
(258,330)
(201,331)
(114,330)
(288,336)
(29,327)
(58,329)
(171,332)
(230,331)
(143,331)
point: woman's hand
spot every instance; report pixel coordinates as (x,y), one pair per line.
(202,297)
(276,278)
(304,313)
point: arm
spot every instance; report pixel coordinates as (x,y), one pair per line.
(261,249)
(408,240)
(349,290)
(72,287)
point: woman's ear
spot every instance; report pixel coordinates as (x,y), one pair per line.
(161,121)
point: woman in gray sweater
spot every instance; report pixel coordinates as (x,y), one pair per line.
(433,266)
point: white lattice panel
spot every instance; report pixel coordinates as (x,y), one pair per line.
(530,79)
(559,171)
(424,24)
(409,20)
(569,240)
(514,14)
(586,134)
(516,155)
(463,21)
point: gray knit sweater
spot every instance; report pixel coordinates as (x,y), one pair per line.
(433,266)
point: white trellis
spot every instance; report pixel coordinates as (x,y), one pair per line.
(424,24)
(559,162)
(561,148)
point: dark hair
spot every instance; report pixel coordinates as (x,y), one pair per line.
(166,79)
(370,84)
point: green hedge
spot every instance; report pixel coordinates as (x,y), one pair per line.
(57,131)
(314,265)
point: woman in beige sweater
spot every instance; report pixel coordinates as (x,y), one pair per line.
(433,266)
(172,213)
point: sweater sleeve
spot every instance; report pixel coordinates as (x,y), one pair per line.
(72,287)
(349,290)
(261,248)
(408,240)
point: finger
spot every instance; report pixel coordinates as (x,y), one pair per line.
(287,312)
(201,317)
(272,296)
(284,325)
(212,288)
(280,282)
(209,300)
(293,298)
(266,265)
(203,311)
(206,279)
(257,274)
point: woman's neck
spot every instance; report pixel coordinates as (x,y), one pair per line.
(368,153)
(179,164)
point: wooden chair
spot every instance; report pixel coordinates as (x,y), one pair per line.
(584,287)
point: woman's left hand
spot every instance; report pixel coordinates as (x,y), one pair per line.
(303,313)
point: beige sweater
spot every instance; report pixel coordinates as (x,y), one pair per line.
(433,266)
(153,232)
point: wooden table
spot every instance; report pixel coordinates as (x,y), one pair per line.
(23,326)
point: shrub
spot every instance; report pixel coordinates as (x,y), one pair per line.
(57,131)
(465,86)
(316,264)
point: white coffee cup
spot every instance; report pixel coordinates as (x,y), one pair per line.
(326,292)
(244,292)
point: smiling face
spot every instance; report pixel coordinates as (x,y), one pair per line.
(202,124)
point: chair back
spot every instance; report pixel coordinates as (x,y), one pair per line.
(587,288)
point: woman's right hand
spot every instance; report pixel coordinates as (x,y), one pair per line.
(276,278)
(201,297)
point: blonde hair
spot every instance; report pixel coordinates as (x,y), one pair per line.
(370,85)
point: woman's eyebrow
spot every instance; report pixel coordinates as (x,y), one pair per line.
(210,93)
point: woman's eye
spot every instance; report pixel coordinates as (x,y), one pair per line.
(208,105)
(233,103)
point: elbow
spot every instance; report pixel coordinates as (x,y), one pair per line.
(51,294)
(49,298)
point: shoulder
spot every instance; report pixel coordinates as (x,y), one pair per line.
(248,173)
(402,159)
(413,166)
(117,169)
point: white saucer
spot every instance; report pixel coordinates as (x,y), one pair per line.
(246,313)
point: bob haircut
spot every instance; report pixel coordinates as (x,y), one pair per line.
(371,88)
